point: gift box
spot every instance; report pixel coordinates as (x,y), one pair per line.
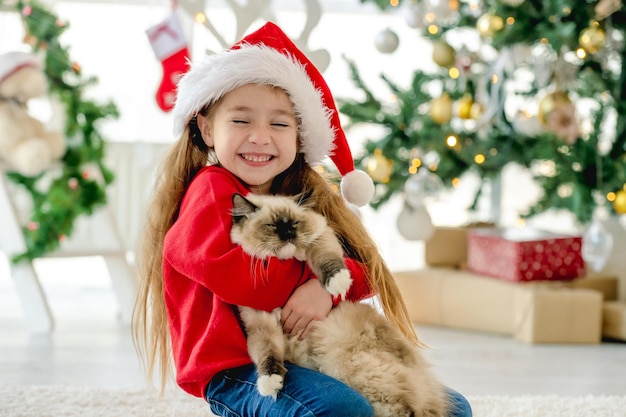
(607,285)
(524,254)
(549,315)
(614,320)
(448,246)
(531,312)
(458,299)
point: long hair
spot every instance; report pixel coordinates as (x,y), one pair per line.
(149,323)
(181,164)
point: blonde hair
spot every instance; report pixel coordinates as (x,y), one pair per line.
(182,163)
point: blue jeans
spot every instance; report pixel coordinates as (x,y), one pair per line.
(306,393)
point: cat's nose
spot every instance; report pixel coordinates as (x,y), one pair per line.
(285,230)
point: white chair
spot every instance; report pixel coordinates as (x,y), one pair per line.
(100,239)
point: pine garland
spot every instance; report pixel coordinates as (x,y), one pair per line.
(580,171)
(78,187)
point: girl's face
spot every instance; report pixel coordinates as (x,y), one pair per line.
(254,132)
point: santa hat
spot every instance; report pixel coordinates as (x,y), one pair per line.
(12,62)
(268,56)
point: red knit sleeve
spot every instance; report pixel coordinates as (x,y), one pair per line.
(199,247)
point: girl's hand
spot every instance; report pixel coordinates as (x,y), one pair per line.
(309,303)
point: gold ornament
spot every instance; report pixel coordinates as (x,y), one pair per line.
(443,54)
(619,204)
(592,39)
(465,107)
(379,167)
(441,109)
(489,24)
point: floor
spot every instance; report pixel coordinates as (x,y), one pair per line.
(90,346)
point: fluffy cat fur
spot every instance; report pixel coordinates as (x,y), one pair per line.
(354,343)
(283,227)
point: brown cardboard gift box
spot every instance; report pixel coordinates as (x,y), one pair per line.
(531,312)
(447,247)
(614,320)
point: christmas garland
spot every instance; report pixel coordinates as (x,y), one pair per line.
(441,132)
(78,187)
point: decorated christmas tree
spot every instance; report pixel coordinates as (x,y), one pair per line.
(76,184)
(537,83)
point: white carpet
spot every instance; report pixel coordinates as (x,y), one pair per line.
(63,401)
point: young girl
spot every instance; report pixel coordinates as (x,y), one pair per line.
(257,118)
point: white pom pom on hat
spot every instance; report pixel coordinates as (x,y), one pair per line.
(268,56)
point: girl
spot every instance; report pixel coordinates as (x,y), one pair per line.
(257,118)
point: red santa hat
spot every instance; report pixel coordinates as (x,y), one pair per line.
(12,62)
(268,56)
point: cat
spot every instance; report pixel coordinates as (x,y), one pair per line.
(283,227)
(354,343)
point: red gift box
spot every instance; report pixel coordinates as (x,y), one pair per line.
(524,254)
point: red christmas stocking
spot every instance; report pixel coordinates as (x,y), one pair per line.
(170,47)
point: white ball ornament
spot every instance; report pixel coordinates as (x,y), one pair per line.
(414,223)
(386,41)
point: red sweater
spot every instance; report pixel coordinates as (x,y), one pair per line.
(205,275)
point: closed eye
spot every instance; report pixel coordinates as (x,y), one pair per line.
(240,121)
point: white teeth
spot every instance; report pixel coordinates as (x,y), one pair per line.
(256,158)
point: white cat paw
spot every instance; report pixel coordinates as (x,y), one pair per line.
(269,385)
(339,283)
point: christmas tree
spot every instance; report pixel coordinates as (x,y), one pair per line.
(77,187)
(538,83)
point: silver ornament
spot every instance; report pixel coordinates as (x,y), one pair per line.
(421,187)
(597,244)
(386,41)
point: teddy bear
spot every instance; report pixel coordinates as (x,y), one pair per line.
(27,146)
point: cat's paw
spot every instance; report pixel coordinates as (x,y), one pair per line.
(269,385)
(339,283)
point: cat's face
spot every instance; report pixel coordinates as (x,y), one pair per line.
(273,225)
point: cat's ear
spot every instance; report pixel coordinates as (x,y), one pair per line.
(305,199)
(242,207)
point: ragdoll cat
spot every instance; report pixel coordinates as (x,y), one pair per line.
(281,226)
(354,343)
